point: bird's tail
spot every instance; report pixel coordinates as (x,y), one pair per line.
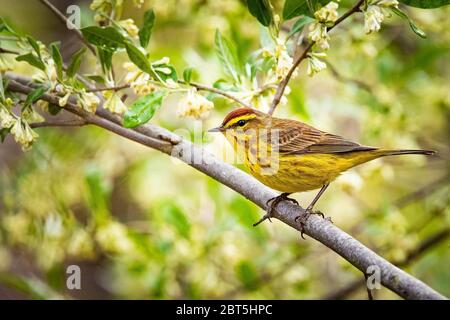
(384,153)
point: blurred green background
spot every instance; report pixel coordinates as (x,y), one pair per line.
(169,232)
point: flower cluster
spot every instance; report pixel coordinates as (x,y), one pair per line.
(138,80)
(49,75)
(130,27)
(88,101)
(194,105)
(325,18)
(284,61)
(114,103)
(19,127)
(318,33)
(376,12)
(315,64)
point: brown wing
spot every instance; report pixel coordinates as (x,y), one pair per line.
(300,138)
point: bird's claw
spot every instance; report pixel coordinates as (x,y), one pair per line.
(271,204)
(304,218)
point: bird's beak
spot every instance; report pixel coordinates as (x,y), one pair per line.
(218,129)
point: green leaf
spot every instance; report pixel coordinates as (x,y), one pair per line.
(98,192)
(187,74)
(5,27)
(247,274)
(261,10)
(165,76)
(56,55)
(4,133)
(32,60)
(222,84)
(2,88)
(413,26)
(143,109)
(295,8)
(97,78)
(33,43)
(35,95)
(54,109)
(426,4)
(107,38)
(105,57)
(146,31)
(227,56)
(139,59)
(299,24)
(75,63)
(267,64)
(174,216)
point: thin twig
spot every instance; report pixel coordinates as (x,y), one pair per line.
(59,123)
(198,86)
(283,84)
(103,89)
(369,291)
(203,87)
(69,24)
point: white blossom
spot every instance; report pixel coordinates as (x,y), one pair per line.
(23,134)
(63,101)
(114,103)
(88,101)
(373,17)
(6,118)
(319,34)
(375,13)
(327,14)
(315,64)
(284,64)
(194,105)
(388,3)
(31,116)
(130,27)
(142,85)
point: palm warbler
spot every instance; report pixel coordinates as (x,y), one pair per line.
(291,156)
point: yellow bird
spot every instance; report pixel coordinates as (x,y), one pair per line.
(291,156)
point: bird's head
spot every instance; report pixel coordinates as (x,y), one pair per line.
(242,122)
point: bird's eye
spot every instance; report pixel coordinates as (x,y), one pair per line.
(241,123)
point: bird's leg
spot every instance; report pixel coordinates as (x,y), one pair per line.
(309,210)
(272,203)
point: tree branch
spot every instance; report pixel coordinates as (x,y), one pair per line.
(412,255)
(283,84)
(320,229)
(198,86)
(69,24)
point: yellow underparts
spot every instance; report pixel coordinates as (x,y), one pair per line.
(297,173)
